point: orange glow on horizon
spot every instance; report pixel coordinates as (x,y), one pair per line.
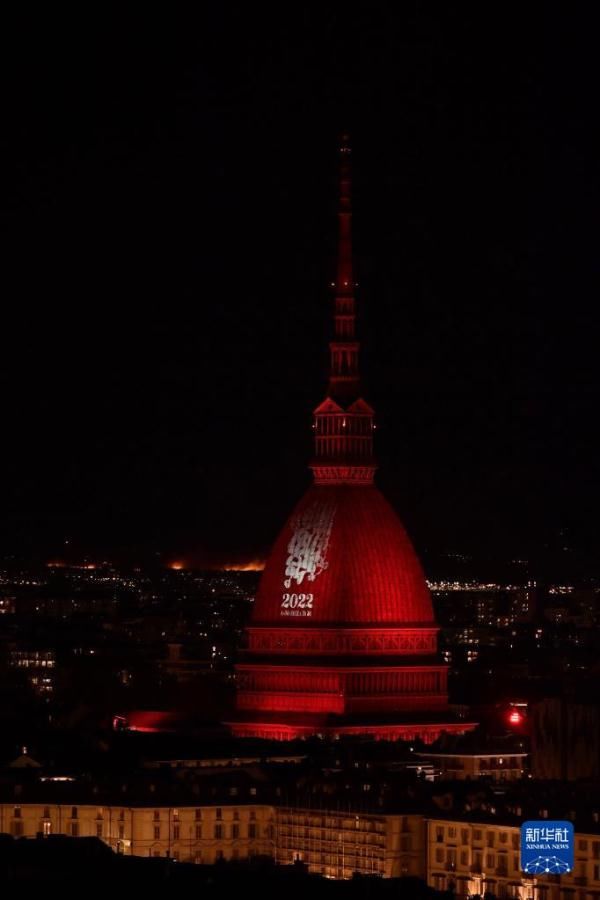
(254,565)
(251,565)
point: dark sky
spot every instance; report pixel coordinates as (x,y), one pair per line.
(168,219)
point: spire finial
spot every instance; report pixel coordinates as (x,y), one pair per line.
(345,283)
(343,375)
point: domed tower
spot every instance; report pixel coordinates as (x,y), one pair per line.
(343,638)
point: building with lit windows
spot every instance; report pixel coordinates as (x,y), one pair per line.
(191,833)
(329,843)
(464,765)
(475,858)
(337,844)
(468,855)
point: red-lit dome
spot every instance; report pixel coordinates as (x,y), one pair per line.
(343,557)
(343,639)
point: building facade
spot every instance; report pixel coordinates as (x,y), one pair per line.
(199,834)
(477,858)
(498,766)
(330,843)
(470,857)
(338,844)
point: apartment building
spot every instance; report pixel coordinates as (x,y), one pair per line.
(475,858)
(201,834)
(338,844)
(330,843)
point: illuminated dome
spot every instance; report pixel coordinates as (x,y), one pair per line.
(343,639)
(343,557)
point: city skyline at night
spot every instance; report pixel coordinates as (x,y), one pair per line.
(156,417)
(299,478)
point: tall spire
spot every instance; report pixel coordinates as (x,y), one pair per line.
(343,373)
(344,273)
(343,423)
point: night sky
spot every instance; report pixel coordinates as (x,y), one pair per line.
(168,219)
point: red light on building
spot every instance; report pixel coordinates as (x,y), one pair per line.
(515,717)
(343,639)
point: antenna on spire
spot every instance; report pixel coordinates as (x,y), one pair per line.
(343,377)
(345,284)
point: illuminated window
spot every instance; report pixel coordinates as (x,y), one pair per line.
(47,828)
